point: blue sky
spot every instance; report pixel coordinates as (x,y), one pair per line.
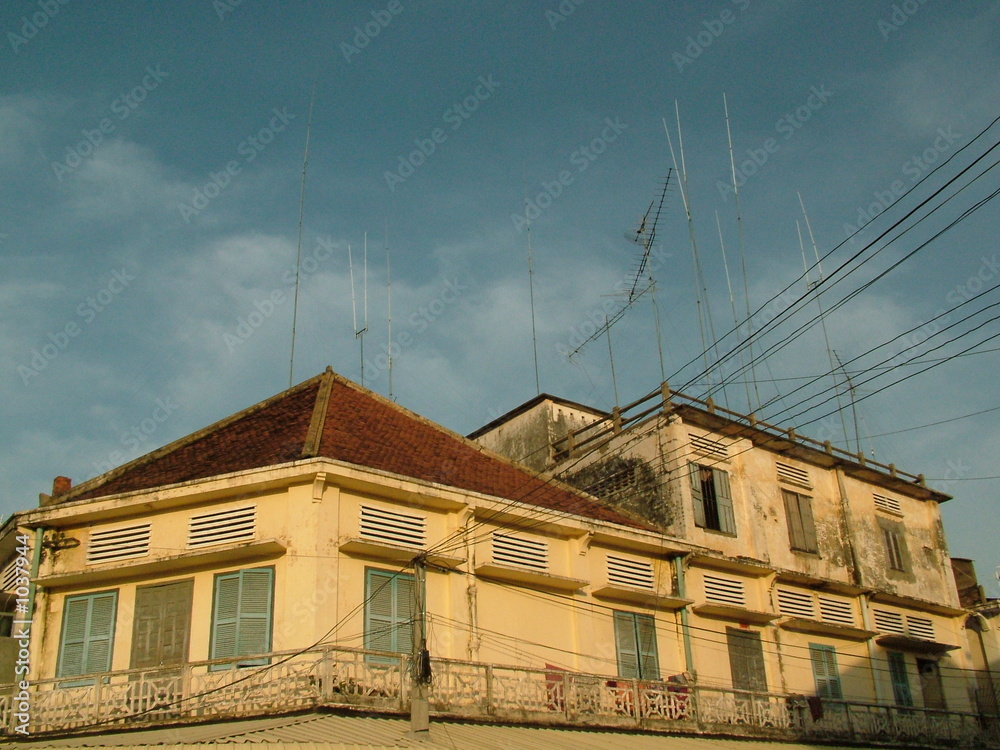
(150,180)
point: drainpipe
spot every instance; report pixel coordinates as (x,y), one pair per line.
(848,528)
(36,561)
(866,623)
(685,632)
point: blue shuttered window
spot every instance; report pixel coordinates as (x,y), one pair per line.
(88,633)
(388,612)
(635,638)
(241,616)
(824,664)
(900,679)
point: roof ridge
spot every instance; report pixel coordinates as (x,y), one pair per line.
(100,479)
(314,436)
(546,477)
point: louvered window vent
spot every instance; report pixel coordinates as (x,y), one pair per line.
(394,528)
(221,526)
(634,573)
(888,504)
(124,543)
(709,447)
(889,622)
(837,611)
(521,553)
(796,603)
(724,591)
(793,474)
(10,575)
(920,627)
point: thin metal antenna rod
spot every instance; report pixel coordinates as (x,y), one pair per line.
(611,356)
(354,298)
(810,286)
(699,272)
(656,319)
(854,410)
(694,257)
(364,328)
(812,239)
(298,253)
(871,445)
(743,256)
(354,302)
(388,278)
(531,285)
(732,304)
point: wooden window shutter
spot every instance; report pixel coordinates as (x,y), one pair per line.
(388,612)
(87,634)
(635,641)
(696,495)
(241,618)
(724,501)
(808,524)
(796,537)
(649,667)
(225,617)
(746,660)
(824,664)
(801,526)
(404,614)
(625,641)
(255,612)
(379,619)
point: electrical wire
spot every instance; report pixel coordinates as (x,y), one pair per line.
(801,299)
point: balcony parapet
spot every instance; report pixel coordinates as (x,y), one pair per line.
(372,681)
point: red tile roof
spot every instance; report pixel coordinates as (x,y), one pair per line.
(329,416)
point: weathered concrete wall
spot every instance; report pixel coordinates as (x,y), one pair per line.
(927,574)
(526,437)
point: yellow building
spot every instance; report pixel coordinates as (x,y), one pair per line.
(716,576)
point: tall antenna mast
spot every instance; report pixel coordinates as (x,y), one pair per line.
(388,278)
(699,276)
(531,284)
(298,253)
(611,356)
(743,256)
(732,304)
(854,410)
(354,303)
(694,256)
(822,314)
(656,320)
(364,328)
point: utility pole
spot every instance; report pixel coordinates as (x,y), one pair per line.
(420,677)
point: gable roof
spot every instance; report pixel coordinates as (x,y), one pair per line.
(329,416)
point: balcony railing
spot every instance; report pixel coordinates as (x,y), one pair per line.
(375,681)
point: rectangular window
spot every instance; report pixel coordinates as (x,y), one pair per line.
(713,500)
(746,660)
(635,636)
(894,547)
(388,612)
(241,616)
(900,679)
(824,664)
(801,529)
(88,633)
